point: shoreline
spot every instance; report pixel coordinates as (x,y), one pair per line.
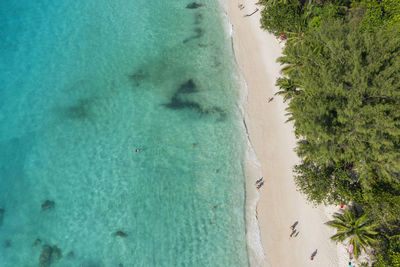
(271,210)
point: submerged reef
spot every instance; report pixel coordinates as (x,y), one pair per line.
(189,87)
(137,77)
(70,255)
(38,241)
(198,34)
(1,216)
(7,243)
(78,111)
(49,255)
(178,103)
(194,5)
(48,205)
(121,234)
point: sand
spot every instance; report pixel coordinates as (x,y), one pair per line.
(273,140)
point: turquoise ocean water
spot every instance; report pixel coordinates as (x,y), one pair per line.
(85,83)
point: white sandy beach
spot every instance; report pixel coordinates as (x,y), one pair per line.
(273,140)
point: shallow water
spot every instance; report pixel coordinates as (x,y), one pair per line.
(85,83)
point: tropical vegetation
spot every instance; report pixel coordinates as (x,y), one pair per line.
(356,227)
(341,80)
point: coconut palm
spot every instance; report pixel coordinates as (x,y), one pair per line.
(355,226)
(290,62)
(288,88)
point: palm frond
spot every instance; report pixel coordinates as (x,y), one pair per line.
(351,224)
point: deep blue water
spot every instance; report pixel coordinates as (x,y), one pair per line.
(86,83)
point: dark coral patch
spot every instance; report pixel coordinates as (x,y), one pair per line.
(79,111)
(199,32)
(37,242)
(121,234)
(137,77)
(49,255)
(48,205)
(177,103)
(194,5)
(7,243)
(1,216)
(187,87)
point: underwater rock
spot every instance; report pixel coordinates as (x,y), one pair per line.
(47,205)
(199,33)
(121,234)
(138,77)
(56,253)
(49,255)
(70,255)
(177,102)
(1,216)
(37,242)
(45,256)
(187,88)
(7,243)
(193,5)
(79,110)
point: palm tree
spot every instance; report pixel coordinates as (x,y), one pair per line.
(356,226)
(288,88)
(290,62)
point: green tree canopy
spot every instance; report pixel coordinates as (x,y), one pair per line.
(341,68)
(356,227)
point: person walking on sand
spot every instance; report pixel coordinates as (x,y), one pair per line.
(314,254)
(259,185)
(293,226)
(293,232)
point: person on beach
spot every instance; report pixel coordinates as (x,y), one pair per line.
(270,99)
(293,232)
(240,6)
(313,254)
(259,185)
(294,225)
(259,180)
